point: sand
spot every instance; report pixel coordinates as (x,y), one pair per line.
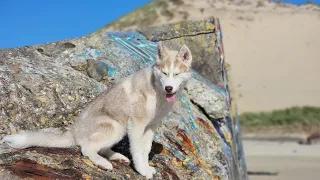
(282,160)
(275,60)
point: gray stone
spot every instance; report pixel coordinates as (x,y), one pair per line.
(208,100)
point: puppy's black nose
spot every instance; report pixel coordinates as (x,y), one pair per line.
(168,89)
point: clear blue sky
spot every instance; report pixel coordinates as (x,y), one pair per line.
(27,22)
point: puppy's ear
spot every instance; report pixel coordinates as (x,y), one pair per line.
(162,52)
(185,55)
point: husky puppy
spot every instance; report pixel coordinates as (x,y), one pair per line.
(134,106)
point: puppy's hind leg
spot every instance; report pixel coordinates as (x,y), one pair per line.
(107,134)
(91,149)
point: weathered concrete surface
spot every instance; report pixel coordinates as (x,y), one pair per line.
(47,85)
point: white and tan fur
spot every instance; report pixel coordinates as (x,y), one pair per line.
(134,106)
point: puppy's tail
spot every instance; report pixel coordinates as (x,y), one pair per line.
(40,138)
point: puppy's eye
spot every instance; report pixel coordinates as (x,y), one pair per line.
(176,74)
(165,73)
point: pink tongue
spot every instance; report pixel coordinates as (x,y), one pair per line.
(171,97)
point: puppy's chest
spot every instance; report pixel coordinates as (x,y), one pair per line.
(164,109)
(159,109)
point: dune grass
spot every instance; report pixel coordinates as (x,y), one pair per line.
(291,116)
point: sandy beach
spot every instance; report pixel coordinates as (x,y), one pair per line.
(281,160)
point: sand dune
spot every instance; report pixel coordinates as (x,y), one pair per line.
(275,60)
(273,48)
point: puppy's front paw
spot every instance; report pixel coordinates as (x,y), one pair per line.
(152,170)
(145,171)
(149,175)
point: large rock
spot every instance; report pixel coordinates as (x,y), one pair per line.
(47,85)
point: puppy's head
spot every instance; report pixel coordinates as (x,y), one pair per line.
(172,69)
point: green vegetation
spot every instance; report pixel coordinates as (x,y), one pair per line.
(291,116)
(312,3)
